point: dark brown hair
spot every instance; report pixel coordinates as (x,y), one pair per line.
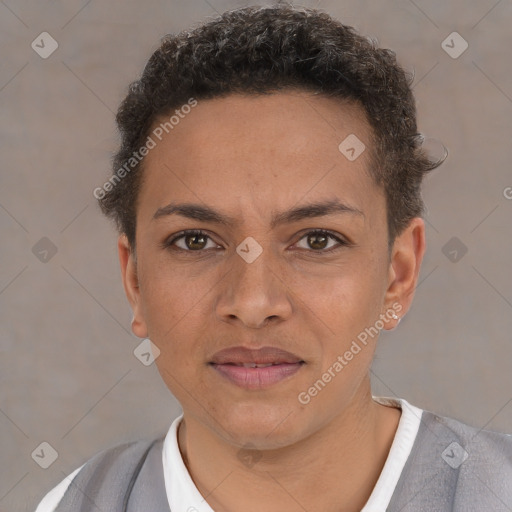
(259,50)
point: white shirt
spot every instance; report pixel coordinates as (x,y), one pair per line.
(183,495)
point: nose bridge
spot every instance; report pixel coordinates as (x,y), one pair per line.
(255,287)
(255,269)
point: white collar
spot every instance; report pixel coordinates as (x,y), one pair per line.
(183,495)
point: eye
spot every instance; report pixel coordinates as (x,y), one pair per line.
(194,240)
(318,240)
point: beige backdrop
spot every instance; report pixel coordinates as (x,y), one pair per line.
(68,374)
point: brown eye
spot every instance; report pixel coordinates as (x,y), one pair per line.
(192,241)
(318,241)
(195,241)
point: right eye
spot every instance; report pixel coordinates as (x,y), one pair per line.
(192,239)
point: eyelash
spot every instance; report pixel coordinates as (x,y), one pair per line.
(167,244)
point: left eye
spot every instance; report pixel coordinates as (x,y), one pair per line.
(320,238)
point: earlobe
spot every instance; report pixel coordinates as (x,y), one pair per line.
(131,285)
(406,257)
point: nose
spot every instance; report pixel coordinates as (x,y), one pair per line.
(254,293)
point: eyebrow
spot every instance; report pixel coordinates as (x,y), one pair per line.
(307,211)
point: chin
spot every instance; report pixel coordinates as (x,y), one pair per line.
(264,427)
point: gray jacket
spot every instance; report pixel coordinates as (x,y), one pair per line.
(452,468)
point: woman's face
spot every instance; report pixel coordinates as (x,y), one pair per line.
(253,282)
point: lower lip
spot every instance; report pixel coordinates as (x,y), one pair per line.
(257,378)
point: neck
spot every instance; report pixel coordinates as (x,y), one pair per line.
(344,459)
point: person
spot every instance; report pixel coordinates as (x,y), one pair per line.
(267,193)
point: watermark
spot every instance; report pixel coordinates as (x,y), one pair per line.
(507,192)
(363,337)
(454,45)
(351,147)
(454,455)
(137,156)
(454,249)
(249,455)
(45,455)
(146,352)
(44,45)
(44,250)
(249,249)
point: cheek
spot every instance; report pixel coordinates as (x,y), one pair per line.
(178,315)
(351,296)
(169,295)
(349,306)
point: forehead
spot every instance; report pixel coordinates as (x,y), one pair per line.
(270,150)
(289,120)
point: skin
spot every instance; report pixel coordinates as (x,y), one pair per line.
(249,157)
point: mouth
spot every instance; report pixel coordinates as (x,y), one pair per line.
(256,368)
(254,376)
(259,365)
(262,356)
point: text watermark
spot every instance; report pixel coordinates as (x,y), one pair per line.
(363,337)
(137,156)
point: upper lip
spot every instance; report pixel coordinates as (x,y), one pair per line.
(263,355)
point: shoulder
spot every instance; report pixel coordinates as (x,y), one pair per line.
(53,497)
(126,456)
(479,444)
(458,464)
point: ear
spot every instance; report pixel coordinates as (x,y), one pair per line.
(131,285)
(404,268)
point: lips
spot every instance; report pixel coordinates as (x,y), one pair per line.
(256,369)
(251,358)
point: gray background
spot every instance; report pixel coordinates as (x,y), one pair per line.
(68,375)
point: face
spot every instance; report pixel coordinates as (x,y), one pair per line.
(308,283)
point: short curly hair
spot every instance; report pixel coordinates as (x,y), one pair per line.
(261,50)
